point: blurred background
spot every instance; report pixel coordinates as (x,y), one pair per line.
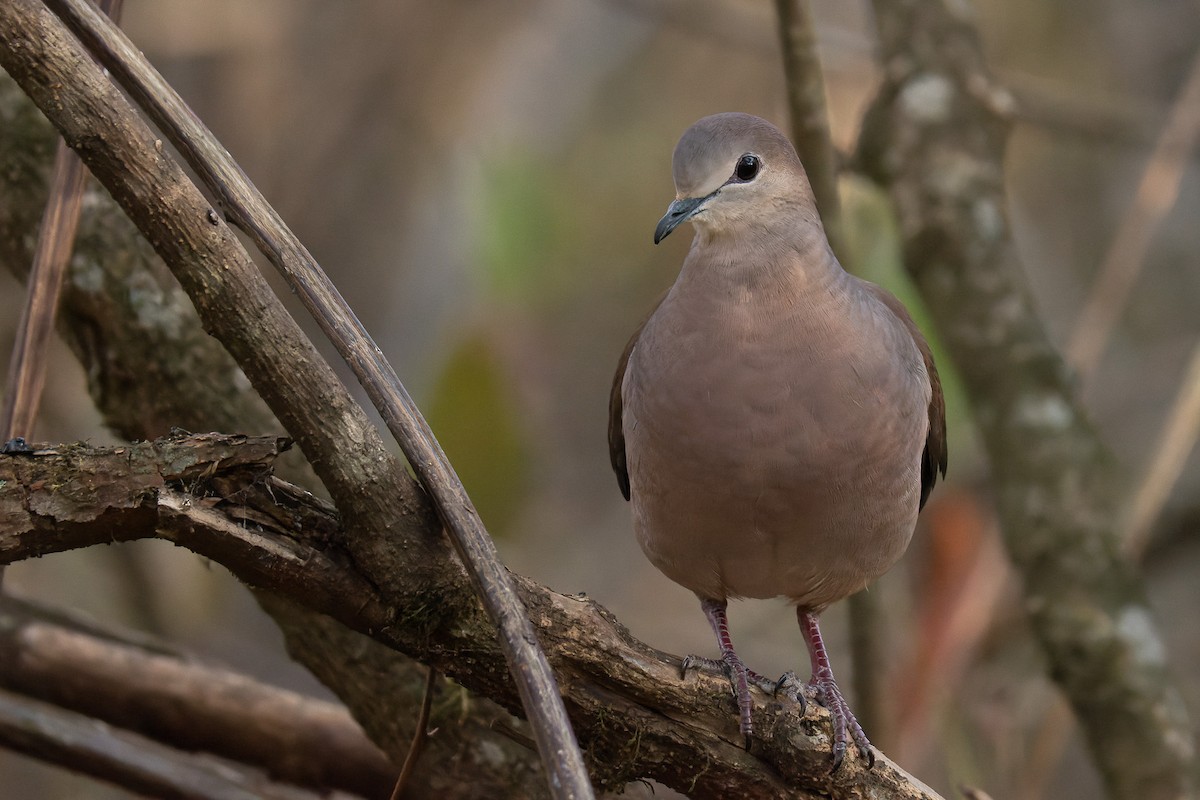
(482,180)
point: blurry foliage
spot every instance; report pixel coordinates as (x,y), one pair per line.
(527,227)
(873,253)
(471,411)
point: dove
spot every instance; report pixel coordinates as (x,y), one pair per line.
(776,422)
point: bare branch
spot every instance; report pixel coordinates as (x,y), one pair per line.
(147,372)
(935,137)
(186,704)
(56,237)
(807,109)
(27,369)
(247,208)
(637,715)
(142,765)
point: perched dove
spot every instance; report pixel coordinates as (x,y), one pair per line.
(776,422)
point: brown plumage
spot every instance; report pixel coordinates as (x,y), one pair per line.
(776,422)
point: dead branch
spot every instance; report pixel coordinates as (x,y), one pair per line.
(85,745)
(148,371)
(188,705)
(637,715)
(245,206)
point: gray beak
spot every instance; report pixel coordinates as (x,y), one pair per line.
(677,213)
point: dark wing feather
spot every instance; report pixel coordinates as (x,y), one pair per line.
(616,406)
(933,461)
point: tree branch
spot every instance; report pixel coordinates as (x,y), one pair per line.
(142,765)
(639,718)
(627,709)
(148,690)
(149,366)
(935,138)
(246,207)
(807,111)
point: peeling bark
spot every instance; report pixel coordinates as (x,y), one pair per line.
(638,716)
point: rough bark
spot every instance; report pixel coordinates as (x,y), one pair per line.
(637,715)
(150,367)
(145,687)
(935,138)
(126,759)
(247,209)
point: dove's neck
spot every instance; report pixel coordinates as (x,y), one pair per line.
(792,261)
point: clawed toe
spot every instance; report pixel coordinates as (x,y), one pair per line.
(792,687)
(740,678)
(697,662)
(789,686)
(16,446)
(830,696)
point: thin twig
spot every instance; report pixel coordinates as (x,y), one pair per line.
(241,200)
(56,238)
(807,111)
(27,370)
(1175,442)
(1126,257)
(420,735)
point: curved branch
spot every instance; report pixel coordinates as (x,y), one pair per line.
(151,366)
(637,715)
(245,206)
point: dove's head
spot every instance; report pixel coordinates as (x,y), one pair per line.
(736,173)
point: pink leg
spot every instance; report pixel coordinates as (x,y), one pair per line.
(738,674)
(830,695)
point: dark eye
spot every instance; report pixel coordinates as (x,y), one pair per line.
(747,167)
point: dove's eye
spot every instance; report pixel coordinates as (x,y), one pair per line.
(747,167)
